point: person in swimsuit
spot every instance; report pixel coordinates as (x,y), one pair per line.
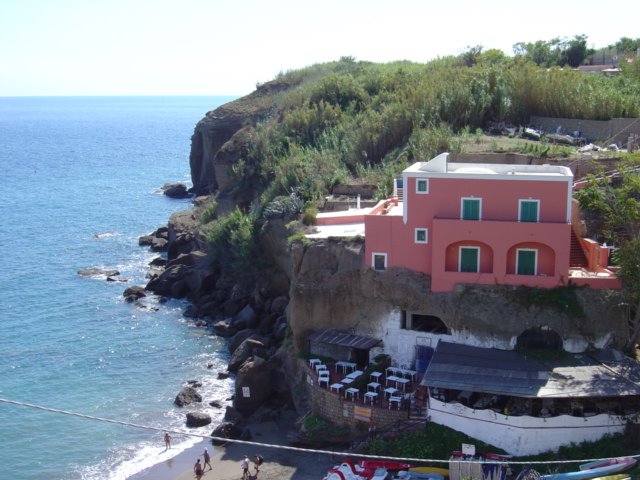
(167,441)
(197,469)
(207,460)
(245,468)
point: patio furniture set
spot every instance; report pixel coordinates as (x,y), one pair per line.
(391,387)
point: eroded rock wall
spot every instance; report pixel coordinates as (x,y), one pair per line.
(331,289)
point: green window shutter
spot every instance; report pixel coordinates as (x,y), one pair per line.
(469,260)
(471,209)
(526,262)
(528,211)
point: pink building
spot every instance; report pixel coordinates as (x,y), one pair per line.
(471,223)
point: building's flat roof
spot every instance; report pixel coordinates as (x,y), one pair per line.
(506,372)
(352,212)
(440,165)
(344,230)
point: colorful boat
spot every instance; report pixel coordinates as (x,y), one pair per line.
(624,462)
(423,476)
(348,471)
(386,464)
(619,476)
(595,469)
(439,471)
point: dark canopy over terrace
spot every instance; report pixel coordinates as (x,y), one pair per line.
(342,345)
(506,372)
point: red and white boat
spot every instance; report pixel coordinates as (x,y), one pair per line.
(347,470)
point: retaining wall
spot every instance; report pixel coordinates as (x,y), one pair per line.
(616,130)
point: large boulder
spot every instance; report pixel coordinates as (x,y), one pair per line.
(245,318)
(240,337)
(187,396)
(133,293)
(247,349)
(223,328)
(95,272)
(175,190)
(254,384)
(197,419)
(226,430)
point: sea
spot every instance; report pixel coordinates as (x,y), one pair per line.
(81,182)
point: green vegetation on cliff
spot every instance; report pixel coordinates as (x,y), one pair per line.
(350,122)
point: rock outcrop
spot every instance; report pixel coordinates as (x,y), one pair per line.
(220,138)
(187,396)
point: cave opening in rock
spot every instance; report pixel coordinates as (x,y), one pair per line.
(540,338)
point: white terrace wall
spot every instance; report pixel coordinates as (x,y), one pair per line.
(524,435)
(616,130)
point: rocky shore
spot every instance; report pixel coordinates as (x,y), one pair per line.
(250,315)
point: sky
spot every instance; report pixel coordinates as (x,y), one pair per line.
(214,47)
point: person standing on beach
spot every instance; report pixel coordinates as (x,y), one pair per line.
(257,461)
(245,468)
(197,469)
(207,460)
(167,441)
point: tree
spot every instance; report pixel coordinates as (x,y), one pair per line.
(471,55)
(576,51)
(615,202)
(556,52)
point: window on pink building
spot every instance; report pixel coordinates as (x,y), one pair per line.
(526,261)
(422,235)
(469,259)
(529,211)
(471,208)
(422,185)
(379,261)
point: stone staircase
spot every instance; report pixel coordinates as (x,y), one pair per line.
(577,258)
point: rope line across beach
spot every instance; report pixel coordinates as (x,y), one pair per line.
(281,447)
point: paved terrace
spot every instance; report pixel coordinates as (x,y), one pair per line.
(392,389)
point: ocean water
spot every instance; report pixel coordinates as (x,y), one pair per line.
(80,184)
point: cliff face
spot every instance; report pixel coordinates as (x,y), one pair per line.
(330,289)
(219,139)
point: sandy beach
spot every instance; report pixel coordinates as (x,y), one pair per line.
(279,464)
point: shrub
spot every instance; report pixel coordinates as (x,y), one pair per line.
(208,211)
(309,215)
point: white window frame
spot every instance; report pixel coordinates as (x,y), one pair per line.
(530,200)
(535,260)
(426,235)
(426,183)
(479,200)
(373,261)
(468,247)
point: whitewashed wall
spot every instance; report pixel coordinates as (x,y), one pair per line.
(524,435)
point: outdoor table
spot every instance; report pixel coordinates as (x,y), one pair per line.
(352,392)
(323,379)
(375,376)
(320,366)
(314,361)
(370,396)
(410,373)
(355,374)
(394,370)
(336,387)
(392,378)
(395,400)
(347,380)
(344,366)
(390,391)
(403,382)
(374,386)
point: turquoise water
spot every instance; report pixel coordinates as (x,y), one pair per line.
(81,179)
